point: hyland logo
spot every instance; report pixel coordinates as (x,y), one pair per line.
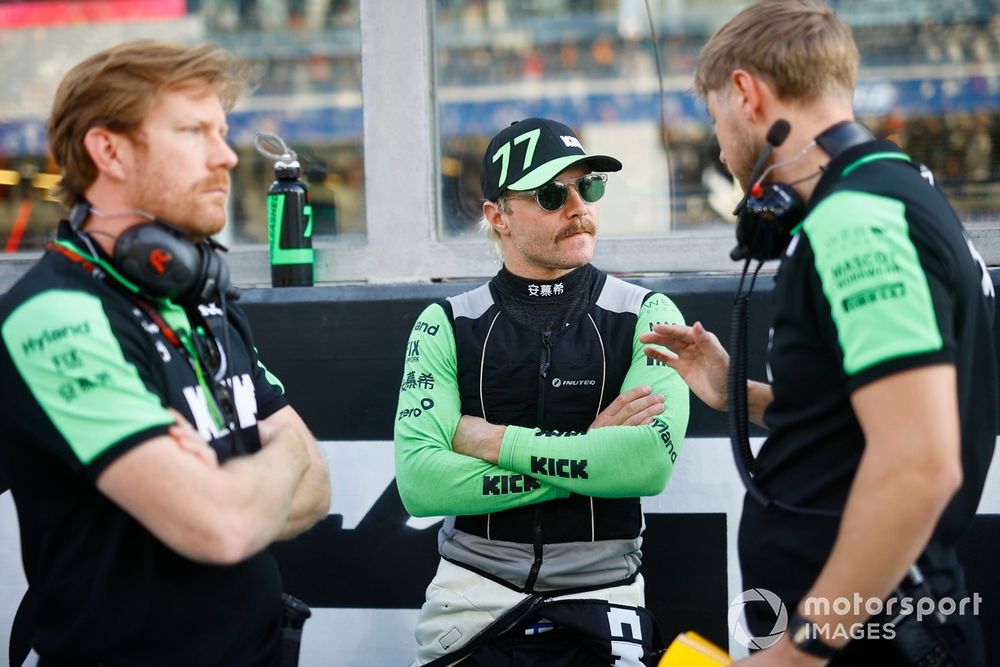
(668,442)
(556,382)
(429,329)
(49,336)
(737,618)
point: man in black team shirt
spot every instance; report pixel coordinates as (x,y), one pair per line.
(883,396)
(151,455)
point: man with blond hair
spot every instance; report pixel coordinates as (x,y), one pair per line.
(883,396)
(151,455)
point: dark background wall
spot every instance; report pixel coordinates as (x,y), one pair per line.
(339,351)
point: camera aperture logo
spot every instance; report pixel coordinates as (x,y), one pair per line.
(737,618)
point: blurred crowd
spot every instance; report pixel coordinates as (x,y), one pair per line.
(302,48)
(483,42)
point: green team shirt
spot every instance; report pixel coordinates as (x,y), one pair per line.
(85,376)
(880,278)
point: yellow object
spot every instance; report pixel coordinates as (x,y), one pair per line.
(44,181)
(692,650)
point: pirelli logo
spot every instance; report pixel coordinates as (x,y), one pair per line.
(874,295)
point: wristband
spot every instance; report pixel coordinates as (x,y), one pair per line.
(804,635)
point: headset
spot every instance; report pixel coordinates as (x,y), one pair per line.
(159,258)
(162,262)
(767,214)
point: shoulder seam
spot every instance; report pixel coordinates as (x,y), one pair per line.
(618,296)
(471,304)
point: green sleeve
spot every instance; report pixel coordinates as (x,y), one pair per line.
(614,461)
(872,276)
(65,350)
(432,479)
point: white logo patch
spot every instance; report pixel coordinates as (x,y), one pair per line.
(571,142)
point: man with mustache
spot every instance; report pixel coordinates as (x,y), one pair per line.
(151,455)
(529,415)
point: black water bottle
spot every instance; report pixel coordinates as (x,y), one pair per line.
(289,227)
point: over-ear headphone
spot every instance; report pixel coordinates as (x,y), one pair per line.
(767,214)
(160,259)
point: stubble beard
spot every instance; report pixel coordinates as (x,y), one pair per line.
(185,211)
(752,149)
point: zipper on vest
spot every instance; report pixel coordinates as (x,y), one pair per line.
(543,374)
(529,585)
(546,354)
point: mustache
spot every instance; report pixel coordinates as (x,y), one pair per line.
(581,226)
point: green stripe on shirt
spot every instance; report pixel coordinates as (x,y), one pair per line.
(871,274)
(62,344)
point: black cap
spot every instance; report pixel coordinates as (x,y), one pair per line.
(532,152)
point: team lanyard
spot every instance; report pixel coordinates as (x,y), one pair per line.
(216,396)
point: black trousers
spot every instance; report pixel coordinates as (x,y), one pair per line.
(556,648)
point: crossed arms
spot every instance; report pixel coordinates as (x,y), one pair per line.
(447,463)
(208,512)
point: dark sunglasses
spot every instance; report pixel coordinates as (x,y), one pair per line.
(553,195)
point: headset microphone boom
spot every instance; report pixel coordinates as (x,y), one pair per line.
(765,215)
